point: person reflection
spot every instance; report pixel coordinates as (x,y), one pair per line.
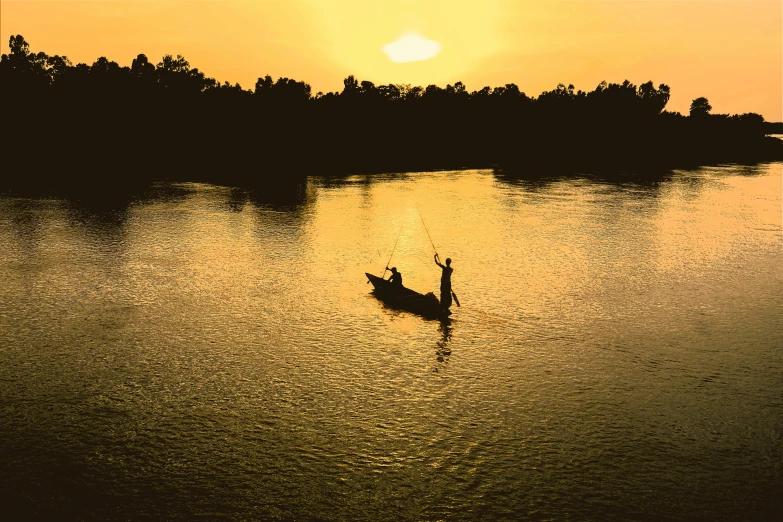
(443,351)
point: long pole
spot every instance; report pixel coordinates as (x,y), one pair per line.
(425,229)
(393,249)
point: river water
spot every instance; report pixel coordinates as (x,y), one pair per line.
(202,351)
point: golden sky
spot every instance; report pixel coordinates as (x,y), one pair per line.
(729,51)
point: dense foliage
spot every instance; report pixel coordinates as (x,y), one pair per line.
(171,120)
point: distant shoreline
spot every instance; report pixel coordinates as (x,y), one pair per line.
(99,187)
(773,128)
(109,125)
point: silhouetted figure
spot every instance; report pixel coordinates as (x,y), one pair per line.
(395,278)
(445,282)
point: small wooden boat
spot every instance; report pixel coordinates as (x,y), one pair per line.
(406,299)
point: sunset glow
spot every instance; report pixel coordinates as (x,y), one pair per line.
(411,48)
(730,51)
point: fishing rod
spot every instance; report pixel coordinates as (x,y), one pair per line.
(425,229)
(393,249)
(433,247)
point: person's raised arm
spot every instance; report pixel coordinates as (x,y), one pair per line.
(438,262)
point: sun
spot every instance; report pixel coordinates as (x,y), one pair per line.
(411,47)
(418,42)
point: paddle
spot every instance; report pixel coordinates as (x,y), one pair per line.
(434,249)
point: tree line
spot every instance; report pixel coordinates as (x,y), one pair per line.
(109,122)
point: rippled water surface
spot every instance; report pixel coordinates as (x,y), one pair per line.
(205,351)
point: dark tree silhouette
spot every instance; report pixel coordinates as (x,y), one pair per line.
(700,107)
(109,124)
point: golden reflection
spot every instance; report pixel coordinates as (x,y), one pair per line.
(698,232)
(203,326)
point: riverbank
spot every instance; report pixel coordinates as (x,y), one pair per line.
(105,124)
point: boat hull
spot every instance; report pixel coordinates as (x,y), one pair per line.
(407,299)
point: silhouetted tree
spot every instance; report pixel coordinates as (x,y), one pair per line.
(655,99)
(700,107)
(351,86)
(141,67)
(110,122)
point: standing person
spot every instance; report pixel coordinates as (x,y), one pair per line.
(445,282)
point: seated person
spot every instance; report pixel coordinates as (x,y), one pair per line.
(395,278)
